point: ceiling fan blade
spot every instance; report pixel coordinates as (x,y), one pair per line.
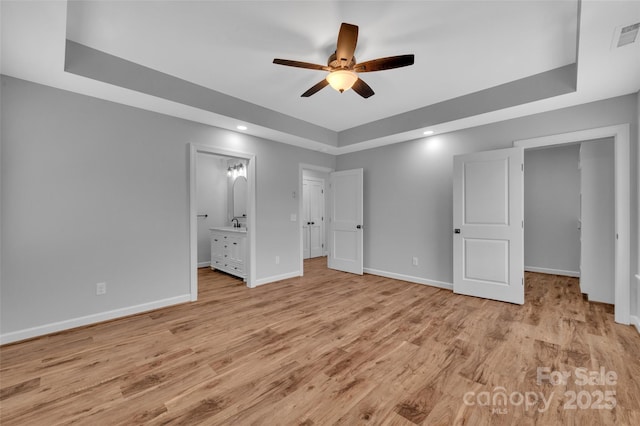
(362,89)
(321,85)
(299,64)
(385,63)
(347,40)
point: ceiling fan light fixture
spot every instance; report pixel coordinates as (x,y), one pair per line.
(342,80)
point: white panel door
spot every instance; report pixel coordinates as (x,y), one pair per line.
(488,239)
(345,251)
(313,218)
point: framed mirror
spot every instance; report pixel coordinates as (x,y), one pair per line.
(240,197)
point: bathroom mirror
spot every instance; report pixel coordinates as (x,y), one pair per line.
(240,197)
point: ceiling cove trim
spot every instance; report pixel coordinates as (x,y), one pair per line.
(91,63)
(556,82)
(94,64)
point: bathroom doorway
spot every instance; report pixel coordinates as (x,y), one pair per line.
(222,196)
(215,198)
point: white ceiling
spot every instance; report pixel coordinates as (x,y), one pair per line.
(228,46)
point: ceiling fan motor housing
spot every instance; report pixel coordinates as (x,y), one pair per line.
(335,63)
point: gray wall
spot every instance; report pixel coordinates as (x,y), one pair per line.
(552,210)
(408,186)
(95,191)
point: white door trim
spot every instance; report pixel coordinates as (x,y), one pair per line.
(194,149)
(301,168)
(620,134)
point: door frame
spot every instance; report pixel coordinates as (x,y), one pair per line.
(194,150)
(301,168)
(622,252)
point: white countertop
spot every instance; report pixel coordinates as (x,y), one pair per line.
(230,229)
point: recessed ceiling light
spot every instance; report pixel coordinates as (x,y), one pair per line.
(241,127)
(429,132)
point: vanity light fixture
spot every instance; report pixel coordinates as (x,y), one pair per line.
(236,170)
(428,132)
(241,127)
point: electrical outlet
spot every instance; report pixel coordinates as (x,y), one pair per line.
(101,288)
(277,260)
(415,261)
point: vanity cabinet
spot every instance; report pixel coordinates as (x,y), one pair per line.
(228,248)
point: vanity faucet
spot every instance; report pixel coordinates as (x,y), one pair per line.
(237,224)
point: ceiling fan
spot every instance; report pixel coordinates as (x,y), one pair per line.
(343,68)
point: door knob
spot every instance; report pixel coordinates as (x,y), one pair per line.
(456,231)
(359,227)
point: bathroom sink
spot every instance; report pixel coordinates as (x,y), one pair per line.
(230,229)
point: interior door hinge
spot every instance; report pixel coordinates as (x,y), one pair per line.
(523,224)
(522,167)
(522,280)
(322,191)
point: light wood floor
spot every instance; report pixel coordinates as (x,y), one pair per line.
(329,348)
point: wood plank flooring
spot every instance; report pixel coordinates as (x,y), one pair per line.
(333,348)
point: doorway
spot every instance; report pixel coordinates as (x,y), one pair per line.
(569,214)
(220,198)
(552,210)
(313,229)
(622,196)
(317,179)
(196,216)
(622,192)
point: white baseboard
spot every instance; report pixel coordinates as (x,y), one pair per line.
(274,278)
(635,321)
(575,274)
(409,278)
(204,264)
(41,330)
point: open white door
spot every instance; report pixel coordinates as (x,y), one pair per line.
(345,226)
(488,239)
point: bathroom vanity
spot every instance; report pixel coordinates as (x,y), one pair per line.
(228,250)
